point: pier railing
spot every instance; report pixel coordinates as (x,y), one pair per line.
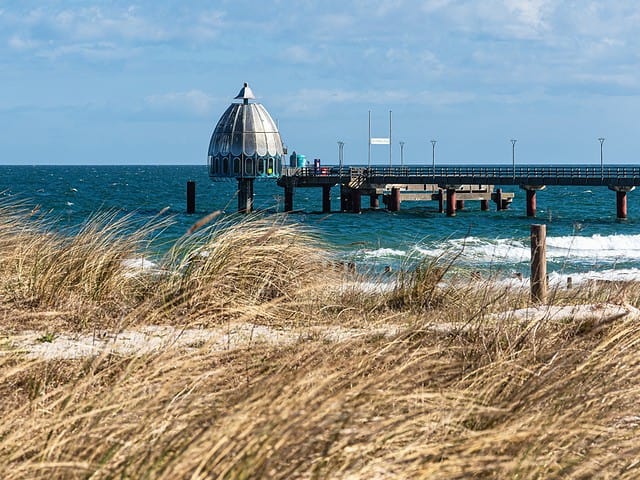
(500,175)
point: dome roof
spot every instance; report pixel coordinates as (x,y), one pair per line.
(245,129)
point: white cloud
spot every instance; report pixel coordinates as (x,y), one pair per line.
(299,54)
(76,31)
(434,5)
(316,100)
(531,15)
(96,51)
(18,42)
(193,101)
(96,23)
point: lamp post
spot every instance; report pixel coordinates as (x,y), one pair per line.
(433,159)
(513,157)
(340,149)
(601,140)
(401,154)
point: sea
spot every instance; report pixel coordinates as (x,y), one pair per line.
(585,241)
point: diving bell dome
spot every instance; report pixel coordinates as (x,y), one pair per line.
(246,142)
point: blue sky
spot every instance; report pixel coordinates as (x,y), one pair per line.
(145,82)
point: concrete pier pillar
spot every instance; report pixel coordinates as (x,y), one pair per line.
(288,199)
(373,201)
(440,200)
(245,195)
(326,199)
(451,202)
(531,203)
(460,204)
(531,198)
(484,204)
(621,200)
(356,201)
(621,204)
(394,200)
(499,199)
(191,196)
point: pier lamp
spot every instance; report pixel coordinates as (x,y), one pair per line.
(401,154)
(513,157)
(601,140)
(340,150)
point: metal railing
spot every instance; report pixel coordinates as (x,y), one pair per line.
(483,174)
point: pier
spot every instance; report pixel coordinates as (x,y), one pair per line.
(452,185)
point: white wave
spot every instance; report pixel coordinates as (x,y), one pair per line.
(560,280)
(384,252)
(624,275)
(136,266)
(479,250)
(596,247)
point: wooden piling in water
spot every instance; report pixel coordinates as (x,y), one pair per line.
(288,199)
(245,195)
(539,263)
(356,201)
(191,196)
(326,199)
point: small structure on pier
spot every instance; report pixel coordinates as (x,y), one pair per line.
(394,184)
(245,145)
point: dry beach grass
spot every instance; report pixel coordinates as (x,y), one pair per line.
(429,380)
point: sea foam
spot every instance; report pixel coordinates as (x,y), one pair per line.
(596,247)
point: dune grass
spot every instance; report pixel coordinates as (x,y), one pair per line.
(453,392)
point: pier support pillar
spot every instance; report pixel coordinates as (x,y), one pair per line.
(440,200)
(621,200)
(326,199)
(373,201)
(621,204)
(345,198)
(245,195)
(460,204)
(484,204)
(531,203)
(356,201)
(191,196)
(499,199)
(288,199)
(394,200)
(531,198)
(451,202)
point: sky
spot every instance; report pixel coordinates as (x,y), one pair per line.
(125,82)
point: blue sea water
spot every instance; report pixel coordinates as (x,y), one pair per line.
(584,237)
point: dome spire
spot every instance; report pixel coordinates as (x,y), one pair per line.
(245,94)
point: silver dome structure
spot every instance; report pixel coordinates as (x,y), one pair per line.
(246,142)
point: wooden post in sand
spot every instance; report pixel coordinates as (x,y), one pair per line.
(539,263)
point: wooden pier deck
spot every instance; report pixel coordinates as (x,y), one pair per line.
(452,184)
